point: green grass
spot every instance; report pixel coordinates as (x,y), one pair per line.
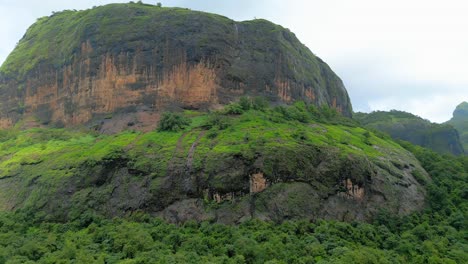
(57,151)
(218,149)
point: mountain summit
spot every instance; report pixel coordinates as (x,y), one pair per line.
(461,111)
(125,63)
(120,65)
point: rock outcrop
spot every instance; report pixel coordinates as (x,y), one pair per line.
(460,122)
(131,61)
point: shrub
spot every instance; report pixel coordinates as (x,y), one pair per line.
(216,120)
(328,112)
(233,109)
(245,103)
(292,113)
(173,122)
(260,103)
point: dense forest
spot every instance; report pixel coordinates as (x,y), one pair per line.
(436,235)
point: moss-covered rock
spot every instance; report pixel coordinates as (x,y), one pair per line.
(126,63)
(257,167)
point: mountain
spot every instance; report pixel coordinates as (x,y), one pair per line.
(124,64)
(121,120)
(460,122)
(400,125)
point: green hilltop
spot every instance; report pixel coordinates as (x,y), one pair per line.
(442,138)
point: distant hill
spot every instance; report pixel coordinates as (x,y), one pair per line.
(460,122)
(442,138)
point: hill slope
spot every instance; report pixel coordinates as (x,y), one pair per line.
(408,127)
(460,122)
(127,62)
(275,164)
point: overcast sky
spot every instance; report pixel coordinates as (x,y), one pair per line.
(409,55)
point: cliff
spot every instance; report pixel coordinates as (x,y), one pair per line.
(442,138)
(124,63)
(460,122)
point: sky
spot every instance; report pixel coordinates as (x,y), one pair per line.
(409,55)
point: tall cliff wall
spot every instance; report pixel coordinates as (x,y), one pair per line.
(76,66)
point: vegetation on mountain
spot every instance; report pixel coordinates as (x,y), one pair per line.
(460,122)
(435,235)
(442,138)
(279,163)
(297,181)
(172,122)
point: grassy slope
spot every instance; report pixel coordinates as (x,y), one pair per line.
(57,150)
(437,235)
(51,156)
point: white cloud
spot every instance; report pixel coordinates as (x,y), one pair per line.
(426,106)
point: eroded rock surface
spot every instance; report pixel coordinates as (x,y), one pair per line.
(130,62)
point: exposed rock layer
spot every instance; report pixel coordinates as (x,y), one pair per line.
(76,67)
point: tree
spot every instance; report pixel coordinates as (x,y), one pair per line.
(173,122)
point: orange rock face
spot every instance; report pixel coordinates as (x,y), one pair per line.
(353,191)
(258,183)
(73,94)
(128,68)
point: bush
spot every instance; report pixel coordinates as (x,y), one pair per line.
(217,120)
(173,122)
(233,109)
(292,113)
(245,103)
(260,103)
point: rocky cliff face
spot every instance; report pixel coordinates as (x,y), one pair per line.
(134,60)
